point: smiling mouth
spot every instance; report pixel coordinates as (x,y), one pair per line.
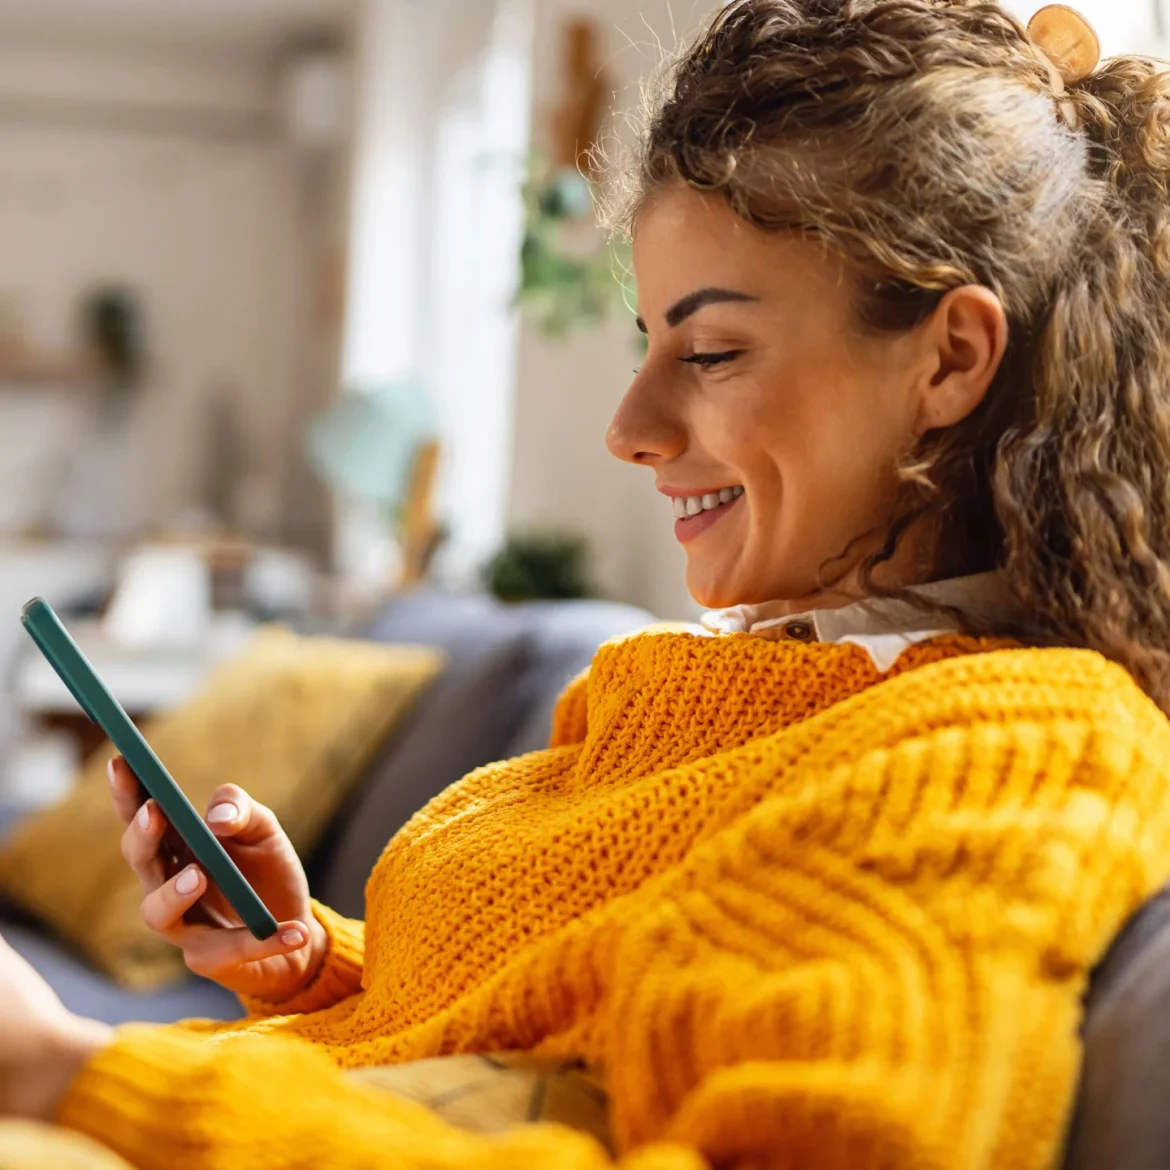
(693,515)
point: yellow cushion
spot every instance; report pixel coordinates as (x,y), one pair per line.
(293,720)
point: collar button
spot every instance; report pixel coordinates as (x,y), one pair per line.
(799,631)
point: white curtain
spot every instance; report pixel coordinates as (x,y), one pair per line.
(441,135)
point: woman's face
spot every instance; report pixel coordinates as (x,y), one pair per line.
(771,420)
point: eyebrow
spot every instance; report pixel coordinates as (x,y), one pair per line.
(693,302)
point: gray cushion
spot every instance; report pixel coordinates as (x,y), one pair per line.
(1122,1116)
(462,625)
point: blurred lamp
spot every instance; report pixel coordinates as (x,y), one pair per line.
(379,446)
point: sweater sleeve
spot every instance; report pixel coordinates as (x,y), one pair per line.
(340,975)
(161,1098)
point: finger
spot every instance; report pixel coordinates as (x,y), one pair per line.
(140,846)
(232,813)
(212,952)
(123,789)
(163,908)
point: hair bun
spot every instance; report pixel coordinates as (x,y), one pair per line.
(1067,39)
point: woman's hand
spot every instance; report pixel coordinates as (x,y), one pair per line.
(222,948)
(42,1044)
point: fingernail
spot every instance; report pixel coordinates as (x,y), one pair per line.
(220,814)
(292,937)
(110,772)
(144,816)
(186,882)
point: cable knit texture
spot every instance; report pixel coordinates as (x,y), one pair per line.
(797,914)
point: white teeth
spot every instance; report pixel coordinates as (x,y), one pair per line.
(685,506)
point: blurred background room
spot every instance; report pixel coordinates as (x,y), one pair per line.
(306,317)
(311,291)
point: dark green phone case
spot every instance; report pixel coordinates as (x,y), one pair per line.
(66,658)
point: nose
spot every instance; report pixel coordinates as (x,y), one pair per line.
(644,430)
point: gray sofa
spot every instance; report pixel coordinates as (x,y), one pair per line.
(506,666)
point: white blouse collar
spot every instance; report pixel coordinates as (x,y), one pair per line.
(881,626)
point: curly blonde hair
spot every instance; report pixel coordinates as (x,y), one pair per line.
(930,143)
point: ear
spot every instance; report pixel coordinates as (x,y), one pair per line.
(966,337)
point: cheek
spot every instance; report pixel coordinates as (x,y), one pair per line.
(823,452)
(780,433)
(844,474)
(752,447)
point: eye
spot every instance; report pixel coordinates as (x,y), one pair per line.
(707,360)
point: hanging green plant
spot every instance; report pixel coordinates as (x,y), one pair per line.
(562,287)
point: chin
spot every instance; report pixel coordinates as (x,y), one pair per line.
(715,590)
(711,592)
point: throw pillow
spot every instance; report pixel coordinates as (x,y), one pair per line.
(292,720)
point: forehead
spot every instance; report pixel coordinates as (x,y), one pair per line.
(699,221)
(685,239)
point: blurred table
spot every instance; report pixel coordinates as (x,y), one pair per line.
(145,680)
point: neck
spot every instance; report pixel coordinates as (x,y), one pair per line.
(909,568)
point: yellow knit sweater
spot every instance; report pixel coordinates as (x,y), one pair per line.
(798,913)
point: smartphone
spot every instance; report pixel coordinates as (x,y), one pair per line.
(75,671)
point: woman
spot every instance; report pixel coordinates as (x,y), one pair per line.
(822,886)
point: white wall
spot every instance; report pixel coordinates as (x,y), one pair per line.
(199,217)
(157,79)
(440,136)
(1123,26)
(567,390)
